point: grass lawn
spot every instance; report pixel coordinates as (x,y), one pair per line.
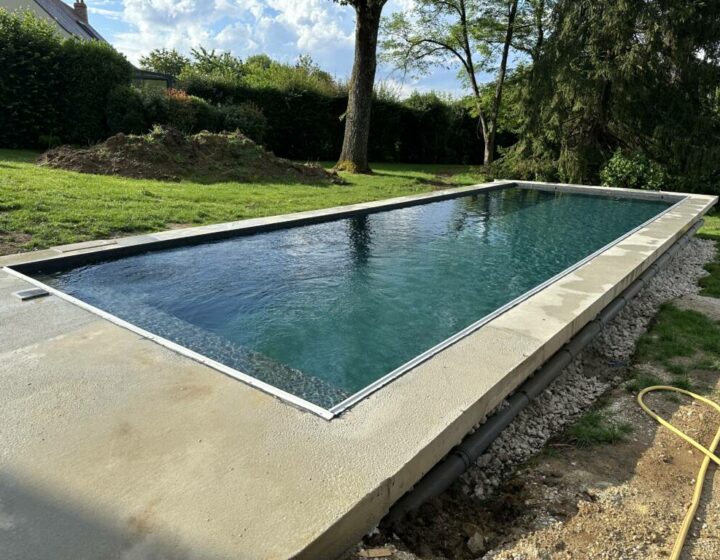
(711,230)
(42,207)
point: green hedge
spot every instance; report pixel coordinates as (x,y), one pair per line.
(52,89)
(56,90)
(135,111)
(308,125)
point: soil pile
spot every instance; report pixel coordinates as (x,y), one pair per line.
(168,154)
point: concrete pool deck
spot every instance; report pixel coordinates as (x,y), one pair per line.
(113,446)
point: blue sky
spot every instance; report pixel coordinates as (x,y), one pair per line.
(283,29)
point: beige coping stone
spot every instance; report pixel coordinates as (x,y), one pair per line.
(115,447)
(85,245)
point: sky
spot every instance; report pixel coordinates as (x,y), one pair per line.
(282,29)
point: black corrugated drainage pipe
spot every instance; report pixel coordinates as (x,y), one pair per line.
(460,458)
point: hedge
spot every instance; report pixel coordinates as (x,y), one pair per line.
(52,89)
(308,125)
(58,90)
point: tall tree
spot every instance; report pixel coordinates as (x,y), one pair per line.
(354,154)
(638,76)
(533,25)
(474,35)
(165,61)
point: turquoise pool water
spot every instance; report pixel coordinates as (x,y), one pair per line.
(323,310)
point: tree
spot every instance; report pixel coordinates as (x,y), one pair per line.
(534,23)
(475,35)
(640,77)
(211,63)
(354,153)
(165,61)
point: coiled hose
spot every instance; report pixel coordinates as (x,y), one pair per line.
(709,455)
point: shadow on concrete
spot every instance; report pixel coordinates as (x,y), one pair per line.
(35,525)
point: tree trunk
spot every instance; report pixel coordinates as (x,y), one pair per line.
(495,111)
(354,155)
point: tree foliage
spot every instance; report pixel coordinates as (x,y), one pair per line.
(165,61)
(640,76)
(53,89)
(473,36)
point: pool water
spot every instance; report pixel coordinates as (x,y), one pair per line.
(323,310)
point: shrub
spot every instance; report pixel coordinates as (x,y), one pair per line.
(307,124)
(205,115)
(176,108)
(29,58)
(53,89)
(633,171)
(248,118)
(126,111)
(91,71)
(179,110)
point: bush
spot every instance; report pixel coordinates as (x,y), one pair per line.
(633,171)
(248,118)
(91,71)
(205,115)
(30,83)
(176,108)
(134,111)
(307,124)
(126,111)
(179,110)
(53,89)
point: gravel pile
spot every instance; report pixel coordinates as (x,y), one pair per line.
(589,376)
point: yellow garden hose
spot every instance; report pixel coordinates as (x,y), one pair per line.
(709,454)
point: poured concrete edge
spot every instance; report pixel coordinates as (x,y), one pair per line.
(157,453)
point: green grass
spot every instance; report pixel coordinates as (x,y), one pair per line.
(641,382)
(711,230)
(682,341)
(595,428)
(711,284)
(41,207)
(679,333)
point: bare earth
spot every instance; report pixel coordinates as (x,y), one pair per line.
(620,501)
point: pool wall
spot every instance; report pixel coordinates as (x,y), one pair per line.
(86,253)
(133,447)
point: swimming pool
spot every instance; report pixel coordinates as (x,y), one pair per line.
(328,312)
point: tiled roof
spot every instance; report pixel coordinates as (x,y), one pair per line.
(66,18)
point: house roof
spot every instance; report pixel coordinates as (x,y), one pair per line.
(66,18)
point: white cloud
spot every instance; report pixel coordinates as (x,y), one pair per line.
(283,29)
(112,14)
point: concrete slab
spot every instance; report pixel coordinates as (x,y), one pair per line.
(114,447)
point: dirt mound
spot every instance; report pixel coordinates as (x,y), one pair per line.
(168,154)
